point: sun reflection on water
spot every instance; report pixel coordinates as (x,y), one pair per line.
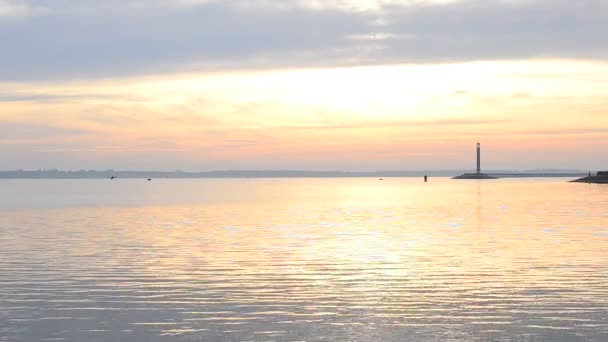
(347,259)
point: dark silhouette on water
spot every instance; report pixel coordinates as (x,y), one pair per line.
(425,178)
(478,174)
(112,178)
(600,178)
(149,179)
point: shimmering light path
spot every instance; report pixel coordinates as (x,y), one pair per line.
(303,260)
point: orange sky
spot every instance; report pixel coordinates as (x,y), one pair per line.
(527,114)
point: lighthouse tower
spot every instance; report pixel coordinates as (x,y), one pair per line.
(478,158)
(478,174)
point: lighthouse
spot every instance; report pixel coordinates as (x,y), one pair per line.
(478,158)
(478,174)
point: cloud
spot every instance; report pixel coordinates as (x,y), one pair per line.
(43,98)
(404,123)
(13,9)
(479,29)
(88,39)
(14,131)
(121,40)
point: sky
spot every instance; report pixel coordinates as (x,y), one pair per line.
(303,84)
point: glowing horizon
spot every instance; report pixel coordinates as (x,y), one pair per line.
(376,117)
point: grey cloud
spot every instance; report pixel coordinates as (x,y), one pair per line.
(117,38)
(12,10)
(125,40)
(481,29)
(31,98)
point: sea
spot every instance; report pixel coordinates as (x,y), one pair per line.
(310,259)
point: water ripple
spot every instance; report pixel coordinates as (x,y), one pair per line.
(310,260)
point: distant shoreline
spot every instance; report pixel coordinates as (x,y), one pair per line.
(93,174)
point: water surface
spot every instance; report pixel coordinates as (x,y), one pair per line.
(303,260)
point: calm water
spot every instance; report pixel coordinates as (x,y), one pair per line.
(303,260)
